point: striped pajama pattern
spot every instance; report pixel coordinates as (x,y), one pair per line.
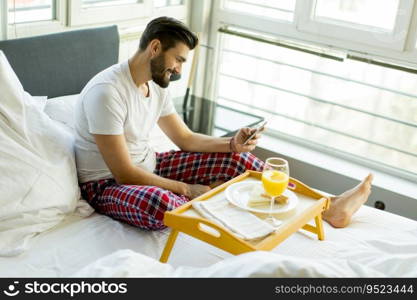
(144,206)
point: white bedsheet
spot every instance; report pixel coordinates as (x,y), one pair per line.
(78,241)
(377,243)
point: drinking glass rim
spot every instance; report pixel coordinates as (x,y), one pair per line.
(285,162)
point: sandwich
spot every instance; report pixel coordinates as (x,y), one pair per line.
(258,197)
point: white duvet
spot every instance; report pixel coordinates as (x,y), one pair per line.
(38,182)
(126,263)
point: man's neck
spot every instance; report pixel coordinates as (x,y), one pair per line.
(140,69)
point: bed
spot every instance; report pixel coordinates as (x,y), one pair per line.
(79,242)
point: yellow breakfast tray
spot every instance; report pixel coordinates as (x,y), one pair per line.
(185,219)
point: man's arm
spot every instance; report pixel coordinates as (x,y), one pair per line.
(115,153)
(186,140)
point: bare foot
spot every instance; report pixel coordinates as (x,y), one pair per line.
(342,207)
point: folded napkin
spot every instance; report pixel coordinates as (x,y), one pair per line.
(241,222)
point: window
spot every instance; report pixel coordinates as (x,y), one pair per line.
(84,12)
(359,12)
(24,11)
(32,17)
(103,3)
(352,107)
(229,120)
(339,76)
(24,18)
(282,10)
(173,8)
(165,3)
(372,22)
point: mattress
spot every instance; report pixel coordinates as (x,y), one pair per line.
(374,237)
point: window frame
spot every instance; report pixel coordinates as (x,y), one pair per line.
(38,27)
(177,11)
(78,16)
(126,14)
(3,20)
(225,8)
(65,12)
(288,30)
(361,33)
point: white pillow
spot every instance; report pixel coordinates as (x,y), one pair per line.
(62,109)
(37,167)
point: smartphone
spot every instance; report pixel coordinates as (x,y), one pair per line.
(258,129)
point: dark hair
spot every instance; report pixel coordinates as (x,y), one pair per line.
(168,31)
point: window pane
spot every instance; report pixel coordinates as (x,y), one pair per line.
(282,10)
(228,119)
(352,107)
(375,13)
(22,11)
(165,3)
(101,3)
(176,2)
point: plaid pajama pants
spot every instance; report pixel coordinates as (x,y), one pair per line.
(144,206)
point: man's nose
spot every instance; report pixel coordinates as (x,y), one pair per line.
(178,69)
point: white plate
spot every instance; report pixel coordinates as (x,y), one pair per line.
(239,193)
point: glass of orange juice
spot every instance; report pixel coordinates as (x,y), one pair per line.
(275,177)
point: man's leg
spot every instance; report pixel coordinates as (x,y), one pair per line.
(209,168)
(205,168)
(140,206)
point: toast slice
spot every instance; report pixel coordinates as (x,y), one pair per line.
(258,197)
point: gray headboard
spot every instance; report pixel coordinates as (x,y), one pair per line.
(62,63)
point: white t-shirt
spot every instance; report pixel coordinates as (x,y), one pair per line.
(112,104)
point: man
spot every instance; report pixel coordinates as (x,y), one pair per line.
(122,177)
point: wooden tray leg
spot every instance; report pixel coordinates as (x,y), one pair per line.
(168,247)
(319,227)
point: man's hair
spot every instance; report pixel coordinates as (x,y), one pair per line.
(168,31)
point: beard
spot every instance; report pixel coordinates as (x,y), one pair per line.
(159,71)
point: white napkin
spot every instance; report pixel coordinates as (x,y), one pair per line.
(241,222)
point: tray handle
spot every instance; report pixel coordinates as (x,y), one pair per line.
(208,231)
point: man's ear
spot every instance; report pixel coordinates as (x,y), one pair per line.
(155,47)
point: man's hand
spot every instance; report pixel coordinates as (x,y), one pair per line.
(195,190)
(238,141)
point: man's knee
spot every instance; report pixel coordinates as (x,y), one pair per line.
(164,200)
(153,209)
(248,160)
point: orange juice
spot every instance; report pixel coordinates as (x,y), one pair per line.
(274,182)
